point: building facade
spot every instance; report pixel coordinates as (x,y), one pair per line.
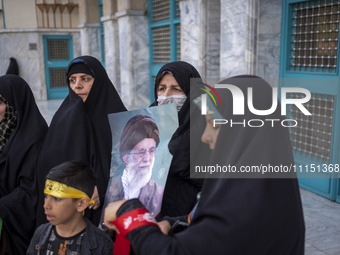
(290,43)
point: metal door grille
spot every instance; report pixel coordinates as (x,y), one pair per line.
(57,49)
(313,135)
(161,44)
(57,77)
(164,35)
(314,36)
(178,12)
(161,10)
(57,55)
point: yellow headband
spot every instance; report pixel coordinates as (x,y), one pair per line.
(60,190)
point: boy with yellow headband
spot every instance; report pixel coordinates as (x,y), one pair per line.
(68,189)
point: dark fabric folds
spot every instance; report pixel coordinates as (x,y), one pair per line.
(245,215)
(18,164)
(13,67)
(81,131)
(180,191)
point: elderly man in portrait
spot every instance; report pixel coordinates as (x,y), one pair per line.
(138,145)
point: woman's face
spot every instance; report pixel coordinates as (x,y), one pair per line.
(210,133)
(81,84)
(168,86)
(2,110)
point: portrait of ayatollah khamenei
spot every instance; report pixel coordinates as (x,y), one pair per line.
(140,157)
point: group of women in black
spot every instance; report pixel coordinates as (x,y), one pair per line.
(233,216)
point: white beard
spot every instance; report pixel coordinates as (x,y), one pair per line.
(135,180)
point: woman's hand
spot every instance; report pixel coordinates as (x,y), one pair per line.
(95,198)
(165,227)
(110,214)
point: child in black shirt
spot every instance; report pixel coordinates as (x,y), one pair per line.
(68,189)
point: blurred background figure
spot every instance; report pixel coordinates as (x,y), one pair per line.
(13,67)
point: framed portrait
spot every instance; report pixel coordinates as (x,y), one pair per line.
(140,157)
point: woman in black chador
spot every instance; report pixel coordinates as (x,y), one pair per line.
(80,128)
(172,85)
(22,130)
(239,216)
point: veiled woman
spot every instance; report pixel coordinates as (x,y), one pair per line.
(22,130)
(172,85)
(80,128)
(237,214)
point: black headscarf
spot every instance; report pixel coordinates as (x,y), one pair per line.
(81,131)
(240,216)
(18,164)
(180,192)
(13,67)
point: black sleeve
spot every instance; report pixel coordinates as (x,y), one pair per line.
(149,240)
(177,224)
(32,248)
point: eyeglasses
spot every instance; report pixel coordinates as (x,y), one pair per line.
(143,152)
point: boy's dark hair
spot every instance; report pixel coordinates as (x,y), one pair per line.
(76,174)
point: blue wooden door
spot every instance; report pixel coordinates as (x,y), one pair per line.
(310,59)
(164,35)
(58,52)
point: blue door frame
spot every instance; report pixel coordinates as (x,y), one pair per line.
(172,22)
(61,91)
(102,34)
(320,82)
